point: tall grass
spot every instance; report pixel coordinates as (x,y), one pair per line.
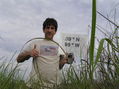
(10,77)
(92,40)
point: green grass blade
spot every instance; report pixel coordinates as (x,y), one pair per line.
(100,48)
(92,39)
(99,51)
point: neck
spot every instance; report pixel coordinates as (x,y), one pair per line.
(48,38)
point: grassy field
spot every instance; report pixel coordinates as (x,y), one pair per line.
(101,69)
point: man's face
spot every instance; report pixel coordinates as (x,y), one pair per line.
(49,32)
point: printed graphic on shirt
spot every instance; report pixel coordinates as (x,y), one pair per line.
(48,50)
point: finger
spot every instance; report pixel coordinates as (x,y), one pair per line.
(34,46)
(35,52)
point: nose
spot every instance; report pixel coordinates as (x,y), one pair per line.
(49,30)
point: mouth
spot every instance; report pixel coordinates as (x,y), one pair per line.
(49,35)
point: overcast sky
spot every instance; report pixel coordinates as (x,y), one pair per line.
(21,20)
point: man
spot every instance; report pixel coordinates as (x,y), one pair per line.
(46,63)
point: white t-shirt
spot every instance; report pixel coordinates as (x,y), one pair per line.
(45,68)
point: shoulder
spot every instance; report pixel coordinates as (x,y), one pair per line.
(34,40)
(30,43)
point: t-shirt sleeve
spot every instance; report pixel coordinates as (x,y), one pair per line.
(27,47)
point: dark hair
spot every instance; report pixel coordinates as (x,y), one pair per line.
(50,21)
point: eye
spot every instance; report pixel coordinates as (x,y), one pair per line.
(47,27)
(52,27)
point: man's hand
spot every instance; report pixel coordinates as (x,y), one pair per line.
(63,60)
(34,52)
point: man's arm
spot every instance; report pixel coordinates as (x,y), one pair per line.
(23,56)
(62,61)
(27,54)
